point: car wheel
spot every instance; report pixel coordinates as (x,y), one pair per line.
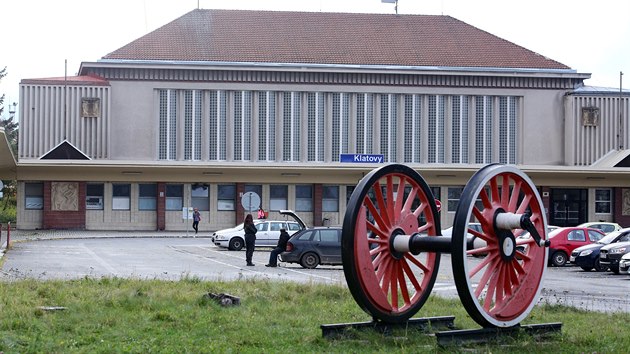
(559,259)
(236,244)
(309,260)
(615,269)
(587,269)
(598,266)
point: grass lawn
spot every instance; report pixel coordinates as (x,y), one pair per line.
(115,315)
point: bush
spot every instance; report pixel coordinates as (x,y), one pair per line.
(8,215)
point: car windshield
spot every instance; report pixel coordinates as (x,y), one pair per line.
(609,238)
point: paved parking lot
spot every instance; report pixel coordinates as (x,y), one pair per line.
(174,258)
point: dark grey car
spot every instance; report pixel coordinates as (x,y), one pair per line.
(312,247)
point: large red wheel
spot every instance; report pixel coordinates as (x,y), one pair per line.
(390,201)
(502,282)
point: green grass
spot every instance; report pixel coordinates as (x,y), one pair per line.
(115,315)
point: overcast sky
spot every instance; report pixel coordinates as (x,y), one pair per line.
(39,35)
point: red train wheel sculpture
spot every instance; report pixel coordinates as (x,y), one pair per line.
(391,245)
(502,282)
(393,200)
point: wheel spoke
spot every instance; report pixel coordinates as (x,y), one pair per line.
(380,201)
(378,220)
(394,285)
(483,282)
(417,262)
(494,189)
(480,266)
(409,202)
(400,193)
(389,203)
(400,265)
(505,192)
(516,190)
(411,275)
(484,199)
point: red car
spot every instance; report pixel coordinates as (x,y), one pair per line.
(565,239)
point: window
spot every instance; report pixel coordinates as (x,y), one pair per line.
(412,134)
(483,129)
(315,122)
(242,125)
(329,236)
(90,107)
(267,126)
(276,226)
(34,196)
(94,196)
(330,198)
(435,135)
(306,236)
(340,124)
(277,197)
(454,194)
(291,126)
(147,196)
(168,125)
(217,132)
(293,226)
(594,236)
(603,201)
(459,129)
(304,198)
(121,196)
(200,196)
(576,235)
(192,125)
(174,196)
(349,190)
(365,120)
(389,122)
(263,226)
(508,117)
(226,196)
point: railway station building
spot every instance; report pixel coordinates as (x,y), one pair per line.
(297,107)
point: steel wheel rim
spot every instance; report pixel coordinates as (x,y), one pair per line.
(509,288)
(390,286)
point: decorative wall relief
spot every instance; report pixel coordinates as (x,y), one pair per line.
(625,208)
(65,196)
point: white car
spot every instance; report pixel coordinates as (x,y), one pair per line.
(624,264)
(267,235)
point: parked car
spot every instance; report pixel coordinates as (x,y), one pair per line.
(610,255)
(312,247)
(607,227)
(565,239)
(587,257)
(624,264)
(267,235)
(525,235)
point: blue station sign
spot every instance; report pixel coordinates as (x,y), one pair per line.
(361,158)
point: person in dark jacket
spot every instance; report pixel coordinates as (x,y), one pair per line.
(281,247)
(250,238)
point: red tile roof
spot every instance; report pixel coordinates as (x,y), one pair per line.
(329,38)
(84,80)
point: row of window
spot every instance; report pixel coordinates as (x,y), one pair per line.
(429,128)
(200,196)
(226,197)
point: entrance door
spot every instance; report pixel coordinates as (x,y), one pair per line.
(568,207)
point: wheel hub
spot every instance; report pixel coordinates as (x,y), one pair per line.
(395,254)
(507,241)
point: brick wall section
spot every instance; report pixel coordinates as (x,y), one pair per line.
(63,220)
(161,206)
(317,204)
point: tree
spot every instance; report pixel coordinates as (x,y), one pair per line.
(11,130)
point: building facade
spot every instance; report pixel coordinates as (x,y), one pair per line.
(219,103)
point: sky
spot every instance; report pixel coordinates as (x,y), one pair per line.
(40,36)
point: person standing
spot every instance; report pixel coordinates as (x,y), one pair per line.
(261,213)
(250,238)
(281,247)
(196,219)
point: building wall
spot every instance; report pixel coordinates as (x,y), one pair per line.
(53,113)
